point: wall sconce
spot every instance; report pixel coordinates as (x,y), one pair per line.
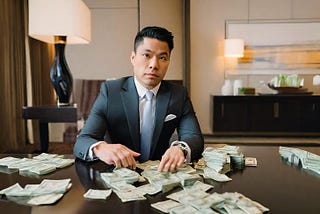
(233,47)
(60,22)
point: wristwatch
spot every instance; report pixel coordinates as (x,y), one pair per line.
(183,148)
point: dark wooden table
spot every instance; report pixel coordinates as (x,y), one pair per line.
(49,114)
(274,183)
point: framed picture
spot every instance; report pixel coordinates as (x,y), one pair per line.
(274,47)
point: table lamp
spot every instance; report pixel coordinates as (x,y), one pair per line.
(60,22)
(233,47)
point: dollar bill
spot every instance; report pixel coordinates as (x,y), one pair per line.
(165,206)
(97,194)
(45,199)
(251,161)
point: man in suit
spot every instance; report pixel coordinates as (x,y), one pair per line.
(113,130)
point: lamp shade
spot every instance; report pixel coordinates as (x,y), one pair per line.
(233,47)
(70,18)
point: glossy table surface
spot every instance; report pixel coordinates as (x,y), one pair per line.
(274,183)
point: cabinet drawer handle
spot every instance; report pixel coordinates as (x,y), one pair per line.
(222,110)
(276,110)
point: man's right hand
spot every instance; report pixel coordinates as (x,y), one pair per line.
(116,154)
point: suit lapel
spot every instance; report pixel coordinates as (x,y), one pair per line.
(163,98)
(130,102)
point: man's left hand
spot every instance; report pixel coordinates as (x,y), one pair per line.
(172,159)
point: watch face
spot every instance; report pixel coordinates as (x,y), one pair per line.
(184,150)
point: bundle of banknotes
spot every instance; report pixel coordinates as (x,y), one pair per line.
(47,192)
(217,161)
(193,198)
(298,156)
(199,201)
(40,164)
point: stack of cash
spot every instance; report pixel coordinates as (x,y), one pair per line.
(217,158)
(199,201)
(40,165)
(238,203)
(217,161)
(126,174)
(47,192)
(307,159)
(165,181)
(97,194)
(120,181)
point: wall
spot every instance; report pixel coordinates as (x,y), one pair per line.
(208,32)
(114,25)
(207,27)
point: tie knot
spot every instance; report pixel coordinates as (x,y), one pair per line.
(149,95)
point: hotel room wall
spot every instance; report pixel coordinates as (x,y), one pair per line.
(207,27)
(207,34)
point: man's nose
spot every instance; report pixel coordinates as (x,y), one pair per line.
(154,63)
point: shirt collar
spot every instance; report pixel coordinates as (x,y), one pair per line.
(142,90)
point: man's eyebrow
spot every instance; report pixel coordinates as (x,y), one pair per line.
(161,53)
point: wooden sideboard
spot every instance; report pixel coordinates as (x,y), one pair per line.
(292,114)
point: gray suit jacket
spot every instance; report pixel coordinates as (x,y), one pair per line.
(114,118)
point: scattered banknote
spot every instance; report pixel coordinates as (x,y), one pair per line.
(165,206)
(184,209)
(237,203)
(97,194)
(187,179)
(45,199)
(149,189)
(213,174)
(298,156)
(41,164)
(250,161)
(47,192)
(148,163)
(128,175)
(126,196)
(198,185)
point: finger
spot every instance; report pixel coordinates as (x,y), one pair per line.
(172,167)
(162,164)
(167,166)
(133,153)
(180,162)
(124,162)
(117,163)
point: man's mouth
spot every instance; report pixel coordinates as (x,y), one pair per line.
(151,75)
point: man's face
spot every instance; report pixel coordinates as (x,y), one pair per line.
(150,62)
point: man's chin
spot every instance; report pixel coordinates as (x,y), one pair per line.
(151,83)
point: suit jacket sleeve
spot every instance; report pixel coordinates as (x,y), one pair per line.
(189,129)
(95,127)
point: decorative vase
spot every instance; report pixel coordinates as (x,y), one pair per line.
(226,88)
(236,85)
(60,73)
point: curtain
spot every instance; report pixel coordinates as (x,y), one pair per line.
(14,58)
(12,74)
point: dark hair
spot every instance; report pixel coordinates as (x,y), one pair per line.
(154,32)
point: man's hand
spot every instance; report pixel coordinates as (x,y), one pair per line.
(116,154)
(171,160)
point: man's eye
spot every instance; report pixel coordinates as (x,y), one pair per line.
(163,58)
(146,55)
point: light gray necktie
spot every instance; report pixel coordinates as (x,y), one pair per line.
(146,128)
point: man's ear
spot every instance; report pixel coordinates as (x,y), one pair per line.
(132,57)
